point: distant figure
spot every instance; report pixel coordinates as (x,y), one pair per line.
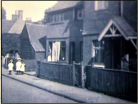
(23,68)
(10,67)
(18,66)
(49,56)
(125,62)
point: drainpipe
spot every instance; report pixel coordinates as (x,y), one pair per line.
(121,8)
(74,14)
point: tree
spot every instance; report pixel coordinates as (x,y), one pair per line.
(10,42)
(3,13)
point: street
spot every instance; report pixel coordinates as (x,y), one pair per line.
(16,92)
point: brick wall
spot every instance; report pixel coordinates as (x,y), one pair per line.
(130,13)
(87,49)
(90,16)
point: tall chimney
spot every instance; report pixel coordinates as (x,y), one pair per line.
(16,12)
(14,17)
(20,13)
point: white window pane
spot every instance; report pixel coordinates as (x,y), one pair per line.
(96,5)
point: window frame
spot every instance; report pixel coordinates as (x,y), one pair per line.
(99,48)
(57,18)
(61,46)
(100,7)
(80,11)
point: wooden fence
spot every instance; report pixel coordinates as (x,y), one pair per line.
(62,73)
(79,74)
(117,83)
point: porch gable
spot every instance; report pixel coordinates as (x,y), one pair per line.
(122,26)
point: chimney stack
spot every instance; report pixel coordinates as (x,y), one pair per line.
(20,14)
(14,17)
(28,20)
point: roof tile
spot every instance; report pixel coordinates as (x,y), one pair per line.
(6,25)
(36,32)
(64,5)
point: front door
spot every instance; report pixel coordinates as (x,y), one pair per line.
(72,52)
(112,51)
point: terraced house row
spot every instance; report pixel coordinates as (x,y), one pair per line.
(95,32)
(100,36)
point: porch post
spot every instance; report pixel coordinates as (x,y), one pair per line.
(82,75)
(73,65)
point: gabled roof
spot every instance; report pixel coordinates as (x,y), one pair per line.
(36,32)
(59,30)
(64,5)
(6,25)
(17,27)
(38,46)
(121,24)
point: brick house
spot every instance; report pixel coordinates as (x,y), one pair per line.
(110,34)
(64,23)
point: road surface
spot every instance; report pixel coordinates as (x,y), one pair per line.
(17,92)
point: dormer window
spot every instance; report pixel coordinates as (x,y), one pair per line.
(62,17)
(80,14)
(54,19)
(58,18)
(100,5)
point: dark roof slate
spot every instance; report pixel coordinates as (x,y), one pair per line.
(36,32)
(60,5)
(97,26)
(38,47)
(94,26)
(59,30)
(125,27)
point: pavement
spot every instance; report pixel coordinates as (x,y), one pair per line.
(80,95)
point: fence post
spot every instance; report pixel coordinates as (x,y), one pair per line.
(38,69)
(6,62)
(82,75)
(73,65)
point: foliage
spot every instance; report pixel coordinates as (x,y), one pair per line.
(3,13)
(10,42)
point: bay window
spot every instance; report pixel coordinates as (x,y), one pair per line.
(57,51)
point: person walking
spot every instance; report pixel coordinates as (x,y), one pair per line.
(10,67)
(22,68)
(18,66)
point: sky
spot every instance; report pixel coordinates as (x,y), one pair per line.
(31,9)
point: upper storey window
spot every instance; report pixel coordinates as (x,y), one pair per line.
(57,18)
(80,14)
(100,5)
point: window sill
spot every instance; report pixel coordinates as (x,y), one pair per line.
(98,65)
(57,23)
(101,10)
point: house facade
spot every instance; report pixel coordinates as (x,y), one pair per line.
(110,34)
(64,23)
